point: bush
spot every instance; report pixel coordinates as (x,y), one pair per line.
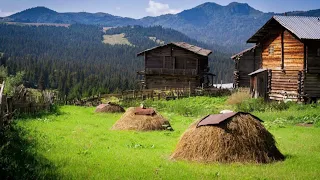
(239,96)
(260,105)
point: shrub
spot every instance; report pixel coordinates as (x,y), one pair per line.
(239,96)
(259,104)
(250,105)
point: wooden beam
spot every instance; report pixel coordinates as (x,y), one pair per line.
(307,59)
(197,65)
(164,62)
(254,60)
(304,57)
(145,61)
(282,49)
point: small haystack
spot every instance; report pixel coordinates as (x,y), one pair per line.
(141,119)
(226,138)
(109,108)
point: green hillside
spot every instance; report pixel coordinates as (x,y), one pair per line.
(77,63)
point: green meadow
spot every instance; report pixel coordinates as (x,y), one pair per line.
(76,143)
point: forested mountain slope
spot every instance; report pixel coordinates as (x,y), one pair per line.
(228,26)
(75,61)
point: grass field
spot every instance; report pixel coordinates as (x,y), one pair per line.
(78,144)
(116,39)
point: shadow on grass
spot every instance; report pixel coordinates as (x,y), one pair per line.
(19,158)
(54,110)
(289,156)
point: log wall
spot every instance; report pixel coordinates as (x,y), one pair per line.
(272,61)
(288,52)
(247,63)
(313,60)
(312,85)
(293,52)
(173,67)
(169,82)
(284,85)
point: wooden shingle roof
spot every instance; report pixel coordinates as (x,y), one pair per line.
(189,47)
(243,52)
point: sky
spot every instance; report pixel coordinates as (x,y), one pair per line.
(142,8)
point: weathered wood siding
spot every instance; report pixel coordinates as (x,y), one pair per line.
(247,63)
(288,52)
(312,77)
(285,62)
(173,67)
(313,60)
(294,65)
(174,57)
(169,82)
(284,85)
(293,52)
(312,85)
(272,61)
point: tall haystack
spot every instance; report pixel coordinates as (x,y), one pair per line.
(109,108)
(141,119)
(227,138)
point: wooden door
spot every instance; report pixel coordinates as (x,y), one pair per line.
(262,81)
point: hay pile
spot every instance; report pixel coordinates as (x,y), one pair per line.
(241,138)
(109,108)
(131,121)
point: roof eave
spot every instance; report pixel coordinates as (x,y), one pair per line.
(252,37)
(140,54)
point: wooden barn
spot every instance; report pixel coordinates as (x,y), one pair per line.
(175,65)
(290,59)
(246,62)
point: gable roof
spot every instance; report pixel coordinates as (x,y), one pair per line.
(243,52)
(217,119)
(189,47)
(302,26)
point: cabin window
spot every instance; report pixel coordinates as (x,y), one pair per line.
(271,50)
(318,52)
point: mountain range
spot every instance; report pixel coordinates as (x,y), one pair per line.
(228,26)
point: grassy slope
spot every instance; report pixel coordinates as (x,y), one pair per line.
(116,39)
(81,145)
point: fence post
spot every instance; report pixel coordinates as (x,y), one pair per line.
(9,107)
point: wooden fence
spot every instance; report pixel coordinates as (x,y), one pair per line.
(10,107)
(5,108)
(165,94)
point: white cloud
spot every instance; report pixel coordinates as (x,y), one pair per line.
(5,14)
(156,9)
(118,8)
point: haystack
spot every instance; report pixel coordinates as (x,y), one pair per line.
(141,119)
(109,108)
(226,138)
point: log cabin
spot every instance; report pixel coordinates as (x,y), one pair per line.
(175,65)
(290,59)
(246,62)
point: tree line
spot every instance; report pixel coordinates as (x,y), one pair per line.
(75,62)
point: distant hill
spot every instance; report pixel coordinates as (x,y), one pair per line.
(45,15)
(228,26)
(76,62)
